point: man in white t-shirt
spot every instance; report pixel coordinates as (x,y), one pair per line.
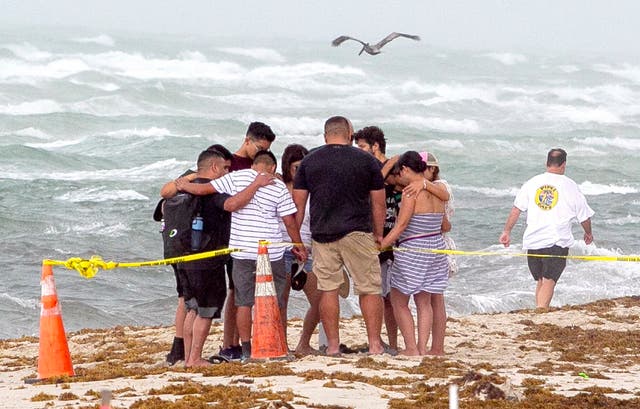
(258,220)
(552,202)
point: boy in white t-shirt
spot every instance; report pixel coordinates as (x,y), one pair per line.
(552,202)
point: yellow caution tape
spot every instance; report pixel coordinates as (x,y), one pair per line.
(89,268)
(631,258)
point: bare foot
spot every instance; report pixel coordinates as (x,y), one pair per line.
(199,363)
(409,352)
(434,352)
(306,350)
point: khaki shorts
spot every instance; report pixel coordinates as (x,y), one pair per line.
(356,251)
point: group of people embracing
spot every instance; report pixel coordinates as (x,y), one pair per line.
(348,212)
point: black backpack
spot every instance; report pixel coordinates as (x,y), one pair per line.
(179,213)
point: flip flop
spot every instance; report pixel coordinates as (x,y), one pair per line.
(217,359)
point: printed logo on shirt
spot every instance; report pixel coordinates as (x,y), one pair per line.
(546,197)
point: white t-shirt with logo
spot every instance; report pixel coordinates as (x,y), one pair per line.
(552,202)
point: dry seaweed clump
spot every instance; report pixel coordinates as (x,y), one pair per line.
(378,381)
(255,370)
(436,368)
(576,344)
(212,396)
(472,396)
(40,397)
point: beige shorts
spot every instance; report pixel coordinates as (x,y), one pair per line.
(357,252)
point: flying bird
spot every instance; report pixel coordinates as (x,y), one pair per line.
(373,49)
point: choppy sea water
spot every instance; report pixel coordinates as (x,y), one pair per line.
(92,125)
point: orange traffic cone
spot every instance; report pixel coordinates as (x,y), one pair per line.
(54,358)
(268,333)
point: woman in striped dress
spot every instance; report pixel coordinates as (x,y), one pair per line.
(415,272)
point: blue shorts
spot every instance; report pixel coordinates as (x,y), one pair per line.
(289,259)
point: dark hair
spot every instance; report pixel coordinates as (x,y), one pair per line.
(207,156)
(556,157)
(412,160)
(266,157)
(221,149)
(292,153)
(336,125)
(436,171)
(259,130)
(372,135)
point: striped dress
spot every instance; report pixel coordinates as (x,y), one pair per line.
(413,272)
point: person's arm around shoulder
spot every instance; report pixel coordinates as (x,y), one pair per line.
(404,216)
(505,237)
(439,190)
(198,189)
(170,189)
(242,198)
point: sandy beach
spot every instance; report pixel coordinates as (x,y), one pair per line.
(575,356)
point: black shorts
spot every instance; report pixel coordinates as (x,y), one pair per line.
(178,284)
(548,267)
(204,290)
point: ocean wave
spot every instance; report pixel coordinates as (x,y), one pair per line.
(507,58)
(489,191)
(152,132)
(101,194)
(621,221)
(569,68)
(187,68)
(28,52)
(38,107)
(273,100)
(102,86)
(157,171)
(27,303)
(262,54)
(451,92)
(596,189)
(582,114)
(291,125)
(615,142)
(468,126)
(29,132)
(101,39)
(22,71)
(94,228)
(55,144)
(626,71)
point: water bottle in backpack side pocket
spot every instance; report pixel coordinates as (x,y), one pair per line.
(197,225)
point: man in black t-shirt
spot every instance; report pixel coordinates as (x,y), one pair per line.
(347,210)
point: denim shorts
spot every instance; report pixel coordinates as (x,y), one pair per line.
(290,258)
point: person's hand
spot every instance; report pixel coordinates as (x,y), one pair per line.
(300,251)
(505,238)
(588,238)
(265,179)
(413,188)
(181,183)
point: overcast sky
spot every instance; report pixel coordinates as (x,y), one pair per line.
(562,25)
